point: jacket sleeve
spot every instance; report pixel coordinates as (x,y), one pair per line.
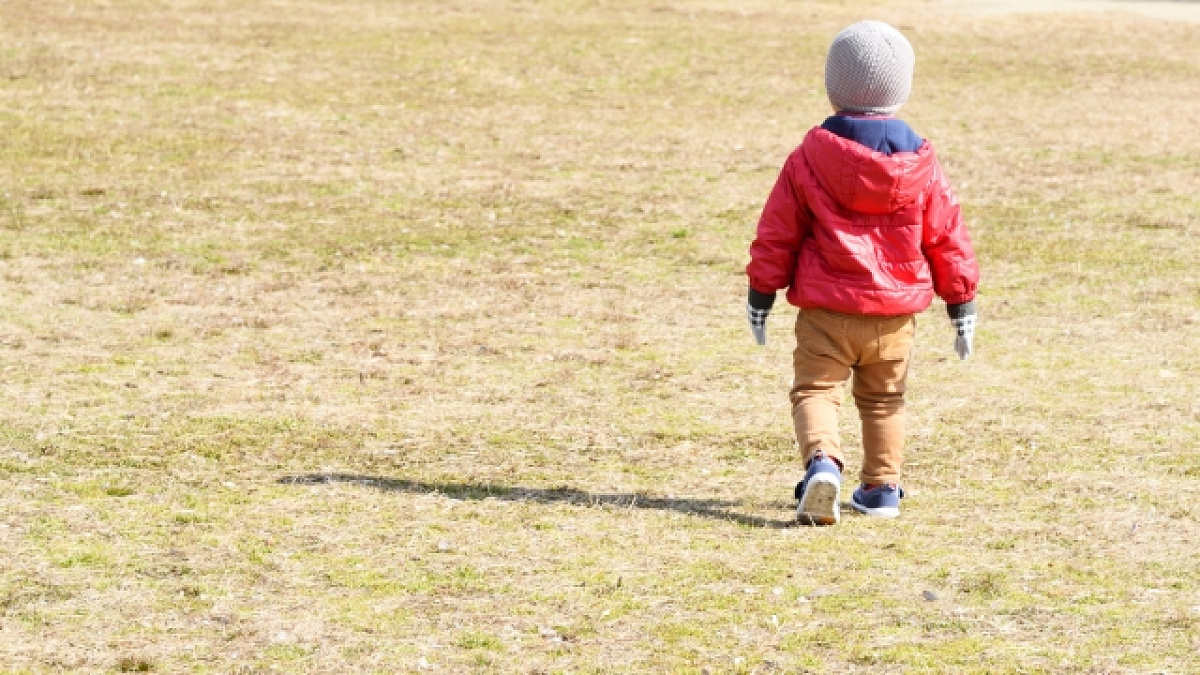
(946,244)
(784,224)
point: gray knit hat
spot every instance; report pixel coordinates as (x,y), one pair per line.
(869,69)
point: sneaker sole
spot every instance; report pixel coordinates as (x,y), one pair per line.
(884,512)
(820,503)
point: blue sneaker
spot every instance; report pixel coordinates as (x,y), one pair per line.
(819,492)
(881,501)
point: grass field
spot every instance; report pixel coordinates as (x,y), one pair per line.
(378,336)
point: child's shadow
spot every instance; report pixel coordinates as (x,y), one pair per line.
(703,508)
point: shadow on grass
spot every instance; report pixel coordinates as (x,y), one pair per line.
(703,508)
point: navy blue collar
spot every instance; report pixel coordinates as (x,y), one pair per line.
(881,133)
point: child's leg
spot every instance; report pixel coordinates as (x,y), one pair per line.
(879,384)
(822,365)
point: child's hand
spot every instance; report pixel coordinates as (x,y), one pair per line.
(758,307)
(963,318)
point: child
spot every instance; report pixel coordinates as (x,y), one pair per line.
(862,228)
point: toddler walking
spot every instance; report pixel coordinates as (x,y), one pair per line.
(862,228)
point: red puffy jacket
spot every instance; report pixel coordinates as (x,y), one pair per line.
(853,230)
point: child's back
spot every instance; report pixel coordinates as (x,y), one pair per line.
(862,228)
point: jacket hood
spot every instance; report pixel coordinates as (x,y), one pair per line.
(863,180)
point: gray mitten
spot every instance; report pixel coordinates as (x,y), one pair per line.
(963,318)
(758,308)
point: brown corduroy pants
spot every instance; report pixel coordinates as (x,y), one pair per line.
(830,347)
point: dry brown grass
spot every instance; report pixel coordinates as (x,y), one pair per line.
(375,337)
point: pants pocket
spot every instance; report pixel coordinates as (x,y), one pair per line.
(896,337)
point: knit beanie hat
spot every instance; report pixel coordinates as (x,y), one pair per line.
(869,69)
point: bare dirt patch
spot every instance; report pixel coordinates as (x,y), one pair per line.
(1173,10)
